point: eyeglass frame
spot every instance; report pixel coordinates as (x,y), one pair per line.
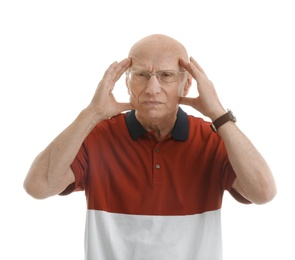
(156,74)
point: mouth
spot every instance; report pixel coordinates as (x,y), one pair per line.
(152,103)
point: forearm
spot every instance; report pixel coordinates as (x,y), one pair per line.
(50,171)
(254,177)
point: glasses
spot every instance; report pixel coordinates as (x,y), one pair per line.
(163,76)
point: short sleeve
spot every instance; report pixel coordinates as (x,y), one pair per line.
(80,169)
(229,177)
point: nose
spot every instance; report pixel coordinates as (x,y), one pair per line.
(153,86)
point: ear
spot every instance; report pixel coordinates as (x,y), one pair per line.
(187,85)
(127,84)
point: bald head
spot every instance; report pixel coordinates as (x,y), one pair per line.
(157,50)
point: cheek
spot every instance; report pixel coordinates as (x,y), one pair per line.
(180,91)
(134,94)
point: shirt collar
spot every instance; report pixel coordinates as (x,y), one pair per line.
(179,132)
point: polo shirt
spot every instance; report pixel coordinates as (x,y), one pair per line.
(150,199)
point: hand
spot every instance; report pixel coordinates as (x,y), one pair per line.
(104,102)
(207,102)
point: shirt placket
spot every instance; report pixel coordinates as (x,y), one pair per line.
(157,176)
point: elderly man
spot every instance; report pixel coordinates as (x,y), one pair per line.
(154,176)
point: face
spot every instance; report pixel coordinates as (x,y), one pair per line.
(150,97)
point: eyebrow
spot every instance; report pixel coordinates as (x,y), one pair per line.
(140,69)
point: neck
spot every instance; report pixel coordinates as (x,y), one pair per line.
(160,126)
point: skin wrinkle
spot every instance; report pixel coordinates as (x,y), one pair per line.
(70,162)
(155,42)
(156,107)
(154,53)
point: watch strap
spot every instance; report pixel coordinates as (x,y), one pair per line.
(222,120)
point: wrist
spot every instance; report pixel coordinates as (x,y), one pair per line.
(91,113)
(216,114)
(229,116)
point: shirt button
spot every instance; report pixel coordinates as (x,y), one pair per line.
(158,166)
(157,150)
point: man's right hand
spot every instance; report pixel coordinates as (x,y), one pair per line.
(104,102)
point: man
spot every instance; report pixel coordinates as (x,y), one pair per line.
(153,177)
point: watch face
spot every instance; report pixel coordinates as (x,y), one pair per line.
(233,118)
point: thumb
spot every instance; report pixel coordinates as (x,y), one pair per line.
(126,106)
(193,102)
(187,101)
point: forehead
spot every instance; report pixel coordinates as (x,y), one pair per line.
(152,61)
(157,52)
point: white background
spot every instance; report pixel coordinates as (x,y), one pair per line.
(53,54)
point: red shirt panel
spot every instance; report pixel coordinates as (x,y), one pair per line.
(124,169)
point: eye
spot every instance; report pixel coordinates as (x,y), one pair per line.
(142,73)
(166,74)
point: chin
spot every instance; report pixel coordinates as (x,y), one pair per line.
(154,113)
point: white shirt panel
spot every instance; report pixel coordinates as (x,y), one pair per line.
(113,236)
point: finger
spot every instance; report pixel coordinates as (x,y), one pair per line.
(114,72)
(109,73)
(123,66)
(188,101)
(192,102)
(116,69)
(183,63)
(197,65)
(126,106)
(191,68)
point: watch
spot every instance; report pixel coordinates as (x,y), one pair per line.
(229,116)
